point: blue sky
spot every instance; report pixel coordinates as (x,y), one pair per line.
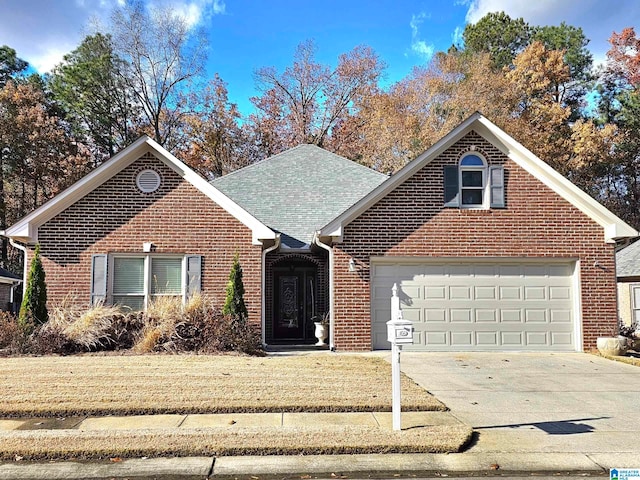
(247,34)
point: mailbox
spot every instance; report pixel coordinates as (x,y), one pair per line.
(400,331)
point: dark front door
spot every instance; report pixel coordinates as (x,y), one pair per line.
(295,291)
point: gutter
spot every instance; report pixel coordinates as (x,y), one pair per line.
(25,267)
(328,248)
(263,320)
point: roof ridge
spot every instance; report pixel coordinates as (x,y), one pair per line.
(255,164)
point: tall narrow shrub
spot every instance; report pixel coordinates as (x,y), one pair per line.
(234,304)
(33,310)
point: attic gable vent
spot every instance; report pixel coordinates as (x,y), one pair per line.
(148,181)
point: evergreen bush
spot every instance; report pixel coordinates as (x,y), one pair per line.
(234,303)
(33,311)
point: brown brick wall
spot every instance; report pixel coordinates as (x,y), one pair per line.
(411,221)
(117,218)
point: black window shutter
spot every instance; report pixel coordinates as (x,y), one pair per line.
(451,189)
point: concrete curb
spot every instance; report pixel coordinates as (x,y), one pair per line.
(355,465)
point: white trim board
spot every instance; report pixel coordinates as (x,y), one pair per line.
(613,227)
(26,229)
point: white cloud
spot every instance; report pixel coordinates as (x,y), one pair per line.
(195,11)
(43,31)
(420,47)
(597,18)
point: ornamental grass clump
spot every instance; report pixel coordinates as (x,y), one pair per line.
(89,329)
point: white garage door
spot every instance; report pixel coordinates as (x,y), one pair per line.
(478,306)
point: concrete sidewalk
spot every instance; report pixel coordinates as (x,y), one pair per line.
(381,420)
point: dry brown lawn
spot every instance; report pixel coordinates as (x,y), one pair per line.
(144,384)
(54,444)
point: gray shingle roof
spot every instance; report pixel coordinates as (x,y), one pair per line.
(628,261)
(299,191)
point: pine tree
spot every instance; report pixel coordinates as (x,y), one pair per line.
(33,310)
(234,304)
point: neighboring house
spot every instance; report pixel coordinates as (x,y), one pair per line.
(490,247)
(628,271)
(10,291)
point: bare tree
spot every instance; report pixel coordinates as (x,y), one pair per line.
(163,55)
(304,103)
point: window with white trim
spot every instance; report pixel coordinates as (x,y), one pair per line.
(136,280)
(635,304)
(473,183)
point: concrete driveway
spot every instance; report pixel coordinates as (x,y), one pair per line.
(539,403)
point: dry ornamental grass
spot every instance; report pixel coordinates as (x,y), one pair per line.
(146,384)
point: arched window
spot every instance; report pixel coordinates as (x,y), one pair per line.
(473,181)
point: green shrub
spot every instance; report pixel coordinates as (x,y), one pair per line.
(234,303)
(33,311)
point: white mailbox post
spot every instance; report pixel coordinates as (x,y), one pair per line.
(399,332)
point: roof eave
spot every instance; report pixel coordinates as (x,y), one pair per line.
(26,229)
(614,228)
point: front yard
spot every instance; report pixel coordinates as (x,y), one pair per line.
(95,385)
(145,384)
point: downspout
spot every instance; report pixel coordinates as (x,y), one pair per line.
(263,321)
(329,249)
(25,268)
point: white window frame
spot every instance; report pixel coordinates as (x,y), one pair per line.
(485,183)
(147,275)
(634,307)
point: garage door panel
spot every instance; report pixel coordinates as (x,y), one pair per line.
(461,339)
(561,339)
(559,293)
(435,315)
(510,293)
(486,316)
(460,292)
(535,316)
(480,306)
(435,293)
(511,339)
(536,338)
(486,339)
(460,315)
(510,316)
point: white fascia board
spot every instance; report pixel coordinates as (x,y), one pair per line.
(25,230)
(259,230)
(614,227)
(335,227)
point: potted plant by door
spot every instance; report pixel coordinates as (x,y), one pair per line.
(321,323)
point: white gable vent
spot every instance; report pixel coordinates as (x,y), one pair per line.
(148,181)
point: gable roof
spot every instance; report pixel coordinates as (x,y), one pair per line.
(628,261)
(26,229)
(614,227)
(298,191)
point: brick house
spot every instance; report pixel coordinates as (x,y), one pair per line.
(491,248)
